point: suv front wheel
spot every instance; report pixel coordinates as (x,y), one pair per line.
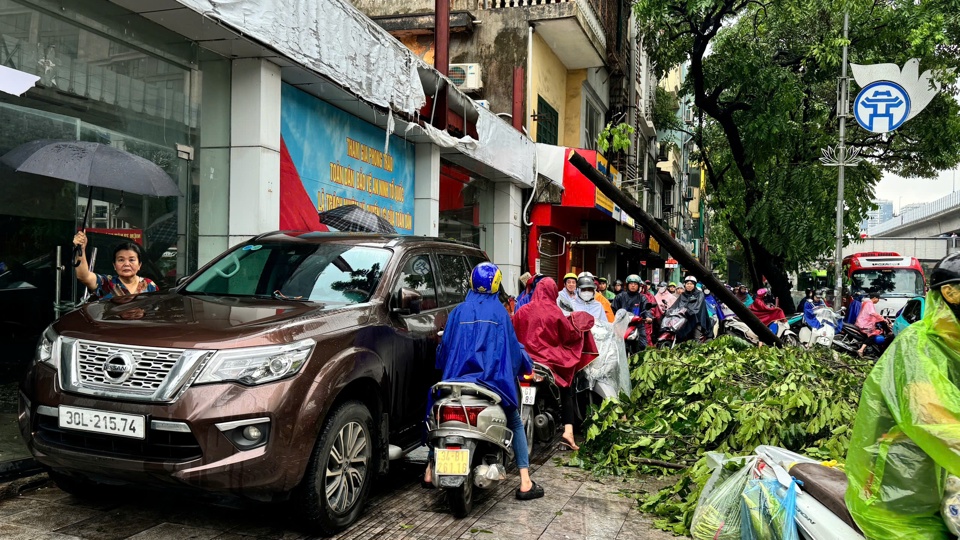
(341,469)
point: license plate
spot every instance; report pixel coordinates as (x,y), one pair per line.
(123,425)
(529,396)
(453,462)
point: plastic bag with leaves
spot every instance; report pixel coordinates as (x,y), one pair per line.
(769,511)
(718,513)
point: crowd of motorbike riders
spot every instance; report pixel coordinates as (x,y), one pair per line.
(903,451)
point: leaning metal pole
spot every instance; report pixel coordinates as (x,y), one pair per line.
(661,235)
(841,158)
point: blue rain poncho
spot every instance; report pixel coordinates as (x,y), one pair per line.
(480,346)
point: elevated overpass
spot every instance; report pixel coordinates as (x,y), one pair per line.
(927,250)
(941,216)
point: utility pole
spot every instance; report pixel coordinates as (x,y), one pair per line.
(840,158)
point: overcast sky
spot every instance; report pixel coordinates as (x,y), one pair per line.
(903,191)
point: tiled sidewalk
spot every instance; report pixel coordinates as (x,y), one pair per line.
(575,506)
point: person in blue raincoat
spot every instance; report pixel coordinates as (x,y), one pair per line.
(480,346)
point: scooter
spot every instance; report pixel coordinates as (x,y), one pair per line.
(783,332)
(632,336)
(672,324)
(823,337)
(468,431)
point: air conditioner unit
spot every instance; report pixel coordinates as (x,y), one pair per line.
(466,77)
(688,194)
(688,114)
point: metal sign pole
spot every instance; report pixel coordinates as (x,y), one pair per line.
(842,113)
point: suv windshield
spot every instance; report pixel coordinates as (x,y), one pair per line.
(889,282)
(327,273)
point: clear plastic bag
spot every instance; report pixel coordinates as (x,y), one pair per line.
(769,511)
(718,513)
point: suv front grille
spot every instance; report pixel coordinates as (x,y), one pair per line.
(163,446)
(152,366)
(110,370)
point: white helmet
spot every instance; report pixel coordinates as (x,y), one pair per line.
(689,278)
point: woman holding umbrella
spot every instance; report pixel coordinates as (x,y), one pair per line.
(127,259)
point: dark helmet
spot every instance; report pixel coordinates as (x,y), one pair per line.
(946,271)
(586,282)
(633,278)
(485,278)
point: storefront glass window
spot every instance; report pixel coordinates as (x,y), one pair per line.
(110,77)
(460,196)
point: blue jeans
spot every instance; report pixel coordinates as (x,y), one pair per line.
(515,423)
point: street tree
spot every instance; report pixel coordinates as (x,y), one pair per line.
(763,77)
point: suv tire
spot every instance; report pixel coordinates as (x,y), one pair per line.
(342,464)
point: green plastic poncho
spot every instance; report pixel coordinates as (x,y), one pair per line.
(907,434)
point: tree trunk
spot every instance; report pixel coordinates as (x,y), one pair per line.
(773,269)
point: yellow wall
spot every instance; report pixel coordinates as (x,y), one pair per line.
(570,136)
(549,80)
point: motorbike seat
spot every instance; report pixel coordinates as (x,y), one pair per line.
(465,388)
(827,485)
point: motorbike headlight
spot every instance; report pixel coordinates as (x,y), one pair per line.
(48,349)
(256,365)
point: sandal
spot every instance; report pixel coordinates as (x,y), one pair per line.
(535,492)
(426,485)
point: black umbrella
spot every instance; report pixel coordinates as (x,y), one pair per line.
(352,218)
(91,164)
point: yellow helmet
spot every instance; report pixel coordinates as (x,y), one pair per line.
(570,275)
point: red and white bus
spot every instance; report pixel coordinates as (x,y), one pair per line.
(895,277)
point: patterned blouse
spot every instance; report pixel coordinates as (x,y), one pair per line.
(110,286)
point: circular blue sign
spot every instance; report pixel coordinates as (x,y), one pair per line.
(881,106)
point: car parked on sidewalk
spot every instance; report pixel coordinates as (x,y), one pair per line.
(293,367)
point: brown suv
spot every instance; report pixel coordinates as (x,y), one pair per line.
(294,365)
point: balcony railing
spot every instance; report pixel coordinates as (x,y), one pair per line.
(600,15)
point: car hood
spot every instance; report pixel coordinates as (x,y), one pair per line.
(194,321)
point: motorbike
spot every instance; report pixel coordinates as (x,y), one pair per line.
(787,336)
(672,325)
(469,433)
(632,336)
(829,322)
(850,339)
(540,404)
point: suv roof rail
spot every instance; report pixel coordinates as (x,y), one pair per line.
(395,238)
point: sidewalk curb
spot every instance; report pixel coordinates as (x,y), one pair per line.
(13,488)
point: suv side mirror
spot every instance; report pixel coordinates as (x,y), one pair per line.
(409,302)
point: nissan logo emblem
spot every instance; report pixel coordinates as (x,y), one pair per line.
(118,368)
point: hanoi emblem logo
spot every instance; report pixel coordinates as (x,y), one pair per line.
(891,95)
(882,106)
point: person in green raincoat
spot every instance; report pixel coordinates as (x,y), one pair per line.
(906,437)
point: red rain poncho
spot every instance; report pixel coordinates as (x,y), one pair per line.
(766,314)
(550,337)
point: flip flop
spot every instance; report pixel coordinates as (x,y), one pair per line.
(535,492)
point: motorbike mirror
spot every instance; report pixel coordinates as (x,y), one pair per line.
(408,302)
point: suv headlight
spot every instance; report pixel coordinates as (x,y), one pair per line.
(256,365)
(48,349)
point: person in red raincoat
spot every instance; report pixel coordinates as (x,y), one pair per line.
(556,341)
(766,313)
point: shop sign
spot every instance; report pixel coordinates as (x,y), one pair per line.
(671,263)
(134,235)
(654,245)
(342,159)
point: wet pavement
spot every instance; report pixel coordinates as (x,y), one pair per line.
(576,505)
